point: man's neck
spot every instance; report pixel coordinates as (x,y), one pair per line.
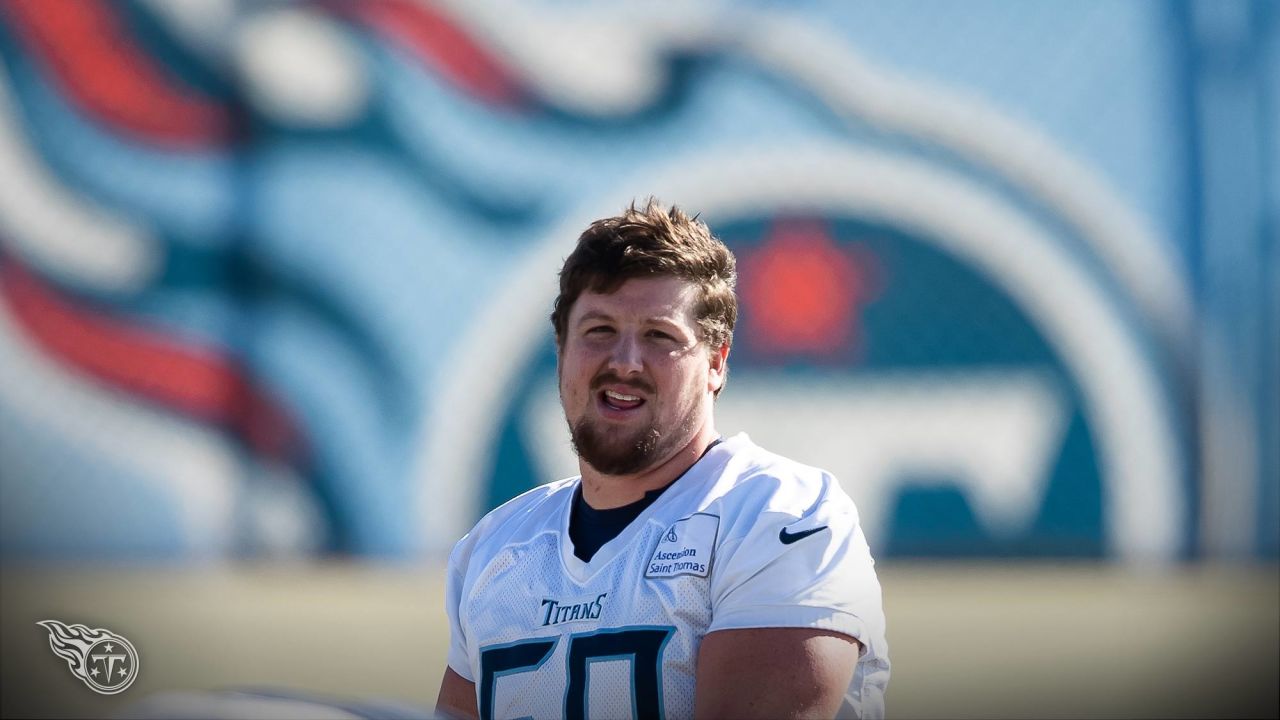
(603,492)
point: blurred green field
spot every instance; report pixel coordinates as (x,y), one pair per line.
(974,640)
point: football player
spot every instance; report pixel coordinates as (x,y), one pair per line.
(681,574)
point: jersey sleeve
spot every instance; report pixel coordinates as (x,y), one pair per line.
(811,569)
(458,658)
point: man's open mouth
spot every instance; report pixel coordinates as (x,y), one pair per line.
(620,401)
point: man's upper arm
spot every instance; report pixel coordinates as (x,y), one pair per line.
(457,698)
(795,606)
(774,673)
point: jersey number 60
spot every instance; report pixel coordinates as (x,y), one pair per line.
(642,646)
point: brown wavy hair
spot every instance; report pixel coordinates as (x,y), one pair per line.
(653,241)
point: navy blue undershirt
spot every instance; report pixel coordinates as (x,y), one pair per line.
(590,529)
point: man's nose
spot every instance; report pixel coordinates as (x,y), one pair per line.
(625,358)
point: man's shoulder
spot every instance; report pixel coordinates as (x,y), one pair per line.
(534,511)
(764,481)
(537,502)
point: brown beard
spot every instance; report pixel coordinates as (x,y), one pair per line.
(620,456)
(628,456)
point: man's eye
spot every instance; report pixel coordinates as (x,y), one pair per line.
(599,330)
(660,335)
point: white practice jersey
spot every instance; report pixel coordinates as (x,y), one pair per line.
(745,539)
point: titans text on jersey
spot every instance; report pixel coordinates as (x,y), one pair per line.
(744,539)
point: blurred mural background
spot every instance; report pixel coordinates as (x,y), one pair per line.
(275,277)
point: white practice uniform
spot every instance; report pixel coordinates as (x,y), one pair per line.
(745,539)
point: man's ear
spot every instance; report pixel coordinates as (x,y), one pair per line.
(719,361)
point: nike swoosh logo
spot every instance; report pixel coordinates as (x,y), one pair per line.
(788,538)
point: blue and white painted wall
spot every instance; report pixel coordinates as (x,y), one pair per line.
(275,277)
